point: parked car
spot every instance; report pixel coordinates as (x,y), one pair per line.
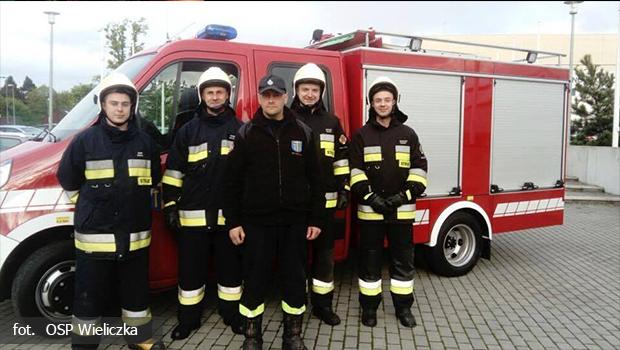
(20,130)
(8,141)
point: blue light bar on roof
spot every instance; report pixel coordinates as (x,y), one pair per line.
(217,32)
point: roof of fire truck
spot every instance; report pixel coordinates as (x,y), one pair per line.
(371,39)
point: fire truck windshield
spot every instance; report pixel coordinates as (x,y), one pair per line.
(85,111)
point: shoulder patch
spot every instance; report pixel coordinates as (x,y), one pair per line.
(342,139)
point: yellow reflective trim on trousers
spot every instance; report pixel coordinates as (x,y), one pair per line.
(168,180)
(224,150)
(320,287)
(405,215)
(342,170)
(331,203)
(96,174)
(293,310)
(140,172)
(221,220)
(357,178)
(194,157)
(417,178)
(136,319)
(189,298)
(401,290)
(95,247)
(228,296)
(143,243)
(251,313)
(372,157)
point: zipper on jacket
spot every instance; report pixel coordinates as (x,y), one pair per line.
(279,168)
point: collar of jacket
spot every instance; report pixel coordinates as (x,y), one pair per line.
(115,134)
(303,110)
(259,118)
(398,118)
(215,120)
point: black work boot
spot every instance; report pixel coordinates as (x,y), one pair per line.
(327,315)
(291,338)
(182,330)
(253,333)
(158,345)
(406,317)
(369,317)
(229,311)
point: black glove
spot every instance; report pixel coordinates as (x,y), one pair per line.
(379,204)
(397,200)
(171,217)
(343,200)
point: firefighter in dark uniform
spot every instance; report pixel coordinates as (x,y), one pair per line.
(275,204)
(110,170)
(193,187)
(333,149)
(388,172)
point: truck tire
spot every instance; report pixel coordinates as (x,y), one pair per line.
(42,291)
(458,246)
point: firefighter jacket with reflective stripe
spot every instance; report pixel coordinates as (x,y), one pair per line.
(196,167)
(332,146)
(272,174)
(114,172)
(387,161)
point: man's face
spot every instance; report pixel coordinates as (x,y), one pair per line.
(272,102)
(214,96)
(383,102)
(117,107)
(309,94)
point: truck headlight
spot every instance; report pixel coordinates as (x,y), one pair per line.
(5,172)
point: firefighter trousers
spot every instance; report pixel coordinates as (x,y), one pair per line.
(323,264)
(263,243)
(95,281)
(194,251)
(400,243)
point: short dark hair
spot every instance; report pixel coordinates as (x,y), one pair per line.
(120,89)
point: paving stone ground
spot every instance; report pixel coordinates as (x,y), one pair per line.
(548,288)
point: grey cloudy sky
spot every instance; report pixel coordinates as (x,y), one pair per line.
(24,30)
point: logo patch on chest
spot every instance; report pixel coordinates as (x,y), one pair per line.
(296,146)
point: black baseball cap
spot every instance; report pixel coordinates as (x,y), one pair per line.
(272,82)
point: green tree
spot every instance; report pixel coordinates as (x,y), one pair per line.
(27,86)
(36,101)
(593,105)
(123,39)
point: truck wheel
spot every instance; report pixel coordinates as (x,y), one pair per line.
(458,246)
(42,291)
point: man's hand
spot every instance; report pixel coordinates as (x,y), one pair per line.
(379,205)
(396,200)
(343,200)
(171,218)
(237,236)
(312,232)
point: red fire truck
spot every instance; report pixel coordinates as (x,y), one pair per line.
(495,135)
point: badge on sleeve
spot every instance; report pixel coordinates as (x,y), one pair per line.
(342,139)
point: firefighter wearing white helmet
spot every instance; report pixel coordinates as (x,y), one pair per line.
(193,194)
(333,149)
(388,172)
(110,170)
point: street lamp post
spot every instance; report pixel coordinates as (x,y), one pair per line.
(51,21)
(573,12)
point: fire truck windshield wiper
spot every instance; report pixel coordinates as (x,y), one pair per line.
(44,134)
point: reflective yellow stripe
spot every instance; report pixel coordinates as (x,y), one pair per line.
(251,313)
(373,157)
(143,243)
(229,293)
(95,247)
(369,288)
(191,297)
(172,181)
(73,196)
(169,204)
(320,287)
(331,199)
(96,174)
(403,156)
(365,212)
(226,147)
(406,212)
(409,196)
(417,178)
(327,144)
(140,172)
(192,218)
(221,220)
(331,203)
(194,157)
(357,175)
(401,287)
(293,310)
(341,170)
(136,318)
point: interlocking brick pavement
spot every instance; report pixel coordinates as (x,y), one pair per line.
(548,288)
